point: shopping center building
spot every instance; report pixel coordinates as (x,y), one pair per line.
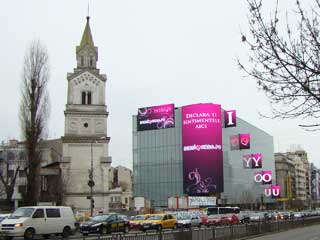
(165,149)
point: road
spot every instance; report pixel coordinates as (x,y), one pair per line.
(305,233)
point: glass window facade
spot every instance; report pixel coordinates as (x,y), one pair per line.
(158,163)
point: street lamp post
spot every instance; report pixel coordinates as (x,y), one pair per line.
(91,182)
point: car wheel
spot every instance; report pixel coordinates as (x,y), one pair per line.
(66,232)
(29,234)
(103,230)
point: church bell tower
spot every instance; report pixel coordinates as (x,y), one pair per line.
(85,141)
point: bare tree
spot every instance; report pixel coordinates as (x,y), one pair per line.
(34,112)
(8,181)
(284,59)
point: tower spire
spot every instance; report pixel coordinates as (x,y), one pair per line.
(87,53)
(86,36)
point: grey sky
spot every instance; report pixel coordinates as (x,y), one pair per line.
(153,52)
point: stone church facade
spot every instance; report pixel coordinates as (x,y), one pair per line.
(85,143)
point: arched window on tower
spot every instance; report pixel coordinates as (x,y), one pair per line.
(83,97)
(86,98)
(82,60)
(91,61)
(89,98)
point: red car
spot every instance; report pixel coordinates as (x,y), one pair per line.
(229,220)
(216,220)
(211,220)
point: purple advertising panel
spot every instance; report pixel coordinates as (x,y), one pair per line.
(230,118)
(247,162)
(252,160)
(234,142)
(276,191)
(244,140)
(272,191)
(156,117)
(263,177)
(256,160)
(202,149)
(267,176)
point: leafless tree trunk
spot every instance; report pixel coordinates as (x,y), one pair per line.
(7,181)
(34,113)
(284,59)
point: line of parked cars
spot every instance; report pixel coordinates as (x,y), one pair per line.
(46,220)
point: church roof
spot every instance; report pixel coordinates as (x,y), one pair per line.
(86,37)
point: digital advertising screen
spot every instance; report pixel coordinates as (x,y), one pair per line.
(202,149)
(234,142)
(244,140)
(252,160)
(230,118)
(156,117)
(273,191)
(263,177)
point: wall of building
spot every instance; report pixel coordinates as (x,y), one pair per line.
(158,163)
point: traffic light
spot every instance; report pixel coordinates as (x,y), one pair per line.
(92,203)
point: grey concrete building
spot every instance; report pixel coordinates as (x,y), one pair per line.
(158,164)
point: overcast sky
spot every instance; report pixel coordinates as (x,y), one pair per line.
(153,52)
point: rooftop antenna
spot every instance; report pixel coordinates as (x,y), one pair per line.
(88,9)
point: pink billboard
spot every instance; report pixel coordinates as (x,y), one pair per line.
(156,117)
(202,149)
(252,160)
(230,118)
(244,140)
(273,191)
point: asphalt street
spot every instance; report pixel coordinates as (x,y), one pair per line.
(305,233)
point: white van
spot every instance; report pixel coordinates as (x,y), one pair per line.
(43,220)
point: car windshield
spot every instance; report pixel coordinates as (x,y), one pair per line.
(183,217)
(139,217)
(155,217)
(22,212)
(99,218)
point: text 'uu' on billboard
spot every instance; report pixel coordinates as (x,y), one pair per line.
(202,149)
(156,117)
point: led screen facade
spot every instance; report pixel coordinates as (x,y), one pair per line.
(156,117)
(244,139)
(202,149)
(230,118)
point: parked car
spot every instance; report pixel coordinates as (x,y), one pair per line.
(35,220)
(229,219)
(256,216)
(211,220)
(3,216)
(105,223)
(244,217)
(159,222)
(136,221)
(185,221)
(298,215)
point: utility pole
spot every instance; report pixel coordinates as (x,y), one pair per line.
(91,182)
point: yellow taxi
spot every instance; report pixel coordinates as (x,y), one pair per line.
(136,221)
(159,221)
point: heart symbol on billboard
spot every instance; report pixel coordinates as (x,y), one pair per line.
(244,141)
(198,147)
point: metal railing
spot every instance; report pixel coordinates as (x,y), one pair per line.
(237,231)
